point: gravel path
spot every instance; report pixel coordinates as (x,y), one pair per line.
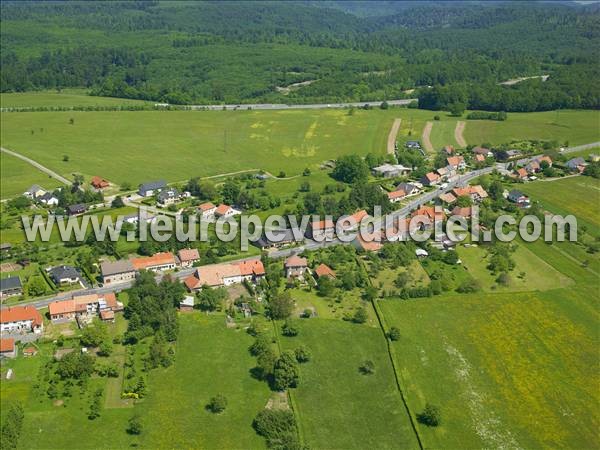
(425,137)
(458,133)
(391,144)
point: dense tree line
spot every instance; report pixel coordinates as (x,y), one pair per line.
(202,52)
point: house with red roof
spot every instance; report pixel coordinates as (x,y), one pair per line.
(157,262)
(8,349)
(99,182)
(207,210)
(295,266)
(21,319)
(476,192)
(456,162)
(323,270)
(430,179)
(226,211)
(84,308)
(217,275)
(188,256)
(321,230)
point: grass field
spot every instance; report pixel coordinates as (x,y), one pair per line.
(66,98)
(16,176)
(576,195)
(577,127)
(337,406)
(442,133)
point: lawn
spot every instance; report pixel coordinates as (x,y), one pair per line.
(211,359)
(577,127)
(16,176)
(66,98)
(337,406)
(442,133)
(579,196)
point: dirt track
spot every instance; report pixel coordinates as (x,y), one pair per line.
(425,137)
(458,133)
(391,144)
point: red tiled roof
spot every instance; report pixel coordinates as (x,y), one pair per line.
(479,158)
(7,345)
(449,149)
(359,215)
(447,197)
(21,313)
(206,206)
(296,261)
(62,307)
(99,182)
(324,271)
(251,267)
(455,160)
(432,176)
(30,351)
(188,254)
(322,224)
(463,212)
(111,300)
(430,212)
(157,259)
(107,314)
(522,173)
(396,194)
(222,209)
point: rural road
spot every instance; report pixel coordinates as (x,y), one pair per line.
(36,165)
(391,142)
(578,148)
(276,106)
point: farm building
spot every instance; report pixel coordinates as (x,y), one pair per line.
(217,275)
(21,319)
(99,182)
(114,272)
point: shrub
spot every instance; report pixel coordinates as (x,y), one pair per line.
(367,367)
(302,354)
(430,416)
(217,404)
(394,334)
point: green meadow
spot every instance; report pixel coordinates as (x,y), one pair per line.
(65,98)
(16,176)
(576,127)
(336,405)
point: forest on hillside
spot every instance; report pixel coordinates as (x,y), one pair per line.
(304,52)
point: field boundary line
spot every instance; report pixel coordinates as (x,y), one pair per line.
(391,142)
(37,165)
(382,327)
(459,133)
(293,404)
(425,137)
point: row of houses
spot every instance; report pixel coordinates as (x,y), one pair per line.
(124,270)
(528,167)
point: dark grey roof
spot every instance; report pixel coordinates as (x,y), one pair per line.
(406,187)
(10,283)
(62,272)
(288,236)
(168,193)
(575,162)
(76,208)
(152,185)
(116,267)
(516,193)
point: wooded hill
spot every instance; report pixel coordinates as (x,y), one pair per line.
(211,52)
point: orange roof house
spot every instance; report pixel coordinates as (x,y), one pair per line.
(7,345)
(463,212)
(448,149)
(396,195)
(251,267)
(447,198)
(430,212)
(158,260)
(188,255)
(479,158)
(21,315)
(99,183)
(455,161)
(296,261)
(521,173)
(206,207)
(324,271)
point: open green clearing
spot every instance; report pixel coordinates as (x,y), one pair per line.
(442,132)
(66,98)
(126,146)
(16,176)
(337,406)
(211,359)
(577,127)
(575,195)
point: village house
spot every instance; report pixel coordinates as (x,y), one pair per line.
(157,262)
(408,188)
(34,192)
(278,238)
(168,196)
(428,215)
(114,272)
(476,192)
(391,170)
(21,319)
(479,158)
(430,179)
(323,270)
(444,172)
(456,162)
(207,211)
(295,266)
(84,308)
(217,275)
(576,164)
(521,173)
(413,145)
(187,304)
(99,183)
(48,199)
(74,210)
(447,198)
(396,196)
(151,188)
(519,198)
(64,275)
(226,211)
(510,154)
(29,351)
(448,150)
(321,230)
(485,152)
(188,256)
(10,286)
(369,242)
(464,212)
(8,349)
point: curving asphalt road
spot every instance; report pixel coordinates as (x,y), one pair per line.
(37,165)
